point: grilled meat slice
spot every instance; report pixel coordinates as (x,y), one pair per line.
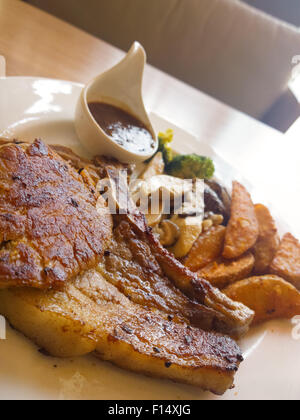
(81,165)
(148,274)
(96,168)
(92,315)
(50,229)
(166,349)
(229,317)
(130,266)
(143,270)
(5,140)
(62,323)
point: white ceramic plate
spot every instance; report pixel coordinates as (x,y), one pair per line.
(31,108)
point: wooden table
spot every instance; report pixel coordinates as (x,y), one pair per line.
(37,44)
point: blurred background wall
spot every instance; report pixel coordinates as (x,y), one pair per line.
(288,10)
(225,48)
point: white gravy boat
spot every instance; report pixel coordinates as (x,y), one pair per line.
(120,86)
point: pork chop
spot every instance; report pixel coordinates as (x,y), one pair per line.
(149,275)
(139,319)
(91,315)
(50,229)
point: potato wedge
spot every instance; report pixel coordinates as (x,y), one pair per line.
(267,225)
(190,229)
(268,240)
(242,231)
(264,252)
(223,272)
(207,248)
(286,263)
(270,297)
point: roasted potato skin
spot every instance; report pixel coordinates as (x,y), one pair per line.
(242,230)
(268,240)
(270,297)
(206,249)
(222,272)
(264,252)
(190,229)
(286,263)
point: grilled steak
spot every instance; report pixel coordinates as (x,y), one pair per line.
(149,275)
(50,229)
(138,307)
(92,315)
(144,271)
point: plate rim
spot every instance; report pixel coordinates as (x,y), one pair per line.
(80,85)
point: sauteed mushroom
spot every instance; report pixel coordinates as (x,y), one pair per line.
(168,232)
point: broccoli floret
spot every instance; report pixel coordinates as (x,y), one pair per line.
(191,166)
(184,166)
(164,145)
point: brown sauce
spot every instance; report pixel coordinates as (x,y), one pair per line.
(125,129)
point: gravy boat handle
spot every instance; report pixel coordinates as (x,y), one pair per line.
(124,81)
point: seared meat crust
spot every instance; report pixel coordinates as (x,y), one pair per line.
(50,230)
(92,315)
(148,274)
(97,168)
(130,266)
